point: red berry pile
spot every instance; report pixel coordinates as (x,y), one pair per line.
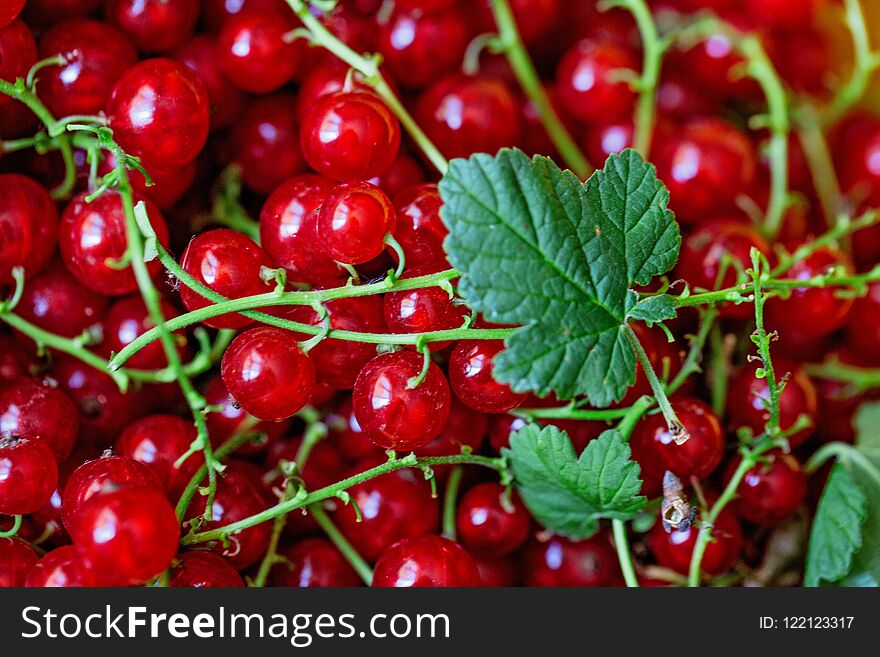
(284,301)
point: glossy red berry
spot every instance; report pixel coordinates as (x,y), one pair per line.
(227,100)
(28,474)
(127,319)
(810,312)
(155,26)
(15,361)
(697,457)
(28,225)
(499,572)
(18,52)
(705,165)
(464,115)
(63,567)
(9,11)
(491,522)
(713,66)
(863,324)
(201,570)
(772,490)
(395,414)
(29,407)
(57,302)
(393,506)
(674,549)
(228,417)
(215,12)
(313,562)
(470,374)
(353,221)
(425,561)
(229,263)
(329,76)
(158,441)
(404,172)
(159,110)
(422,310)
(131,532)
(465,430)
(558,561)
(16,561)
(350,135)
(266,372)
(347,437)
(96,55)
(418,47)
(500,428)
(419,230)
(584,85)
(49,12)
(92,240)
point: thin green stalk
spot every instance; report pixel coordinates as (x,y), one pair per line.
(368,67)
(510,44)
(814,144)
(621,545)
(450,499)
(12,531)
(634,414)
(762,340)
(570,412)
(691,364)
(719,369)
(861,379)
(357,562)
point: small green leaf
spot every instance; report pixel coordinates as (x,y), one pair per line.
(568,494)
(836,534)
(654,309)
(538,248)
(867,425)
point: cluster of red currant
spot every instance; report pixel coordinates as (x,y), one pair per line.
(189,421)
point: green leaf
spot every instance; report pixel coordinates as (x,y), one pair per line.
(867,425)
(568,494)
(836,534)
(538,248)
(654,309)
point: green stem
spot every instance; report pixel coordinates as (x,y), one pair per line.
(570,412)
(510,44)
(634,414)
(762,341)
(369,69)
(450,499)
(12,531)
(861,379)
(719,370)
(819,161)
(361,567)
(621,544)
(691,363)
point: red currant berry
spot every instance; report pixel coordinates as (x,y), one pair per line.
(158,441)
(18,52)
(422,310)
(16,561)
(14,361)
(155,26)
(265,143)
(93,241)
(229,417)
(419,229)
(331,75)
(470,373)
(417,47)
(499,572)
(131,532)
(863,325)
(169,184)
(29,407)
(558,561)
(159,110)
(535,19)
(105,473)
(289,230)
(96,55)
(229,263)
(392,412)
(9,11)
(265,370)
(674,549)
(227,100)
(491,524)
(500,428)
(28,224)
(311,563)
(202,570)
(713,67)
(350,135)
(393,506)
(584,85)
(608,138)
(706,166)
(810,312)
(425,561)
(771,491)
(127,319)
(28,474)
(58,303)
(353,221)
(464,115)
(347,437)
(254,51)
(404,172)
(50,12)
(465,429)
(215,12)
(64,567)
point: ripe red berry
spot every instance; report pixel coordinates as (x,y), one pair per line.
(499,572)
(96,55)
(229,263)
(558,561)
(215,12)
(266,372)
(464,115)
(465,430)
(15,361)
(127,319)
(771,491)
(353,221)
(328,76)
(155,26)
(64,567)
(394,414)
(159,110)
(675,549)
(16,561)
(350,135)
(158,441)
(18,52)
(419,230)
(254,51)
(863,324)
(489,523)
(584,85)
(93,240)
(29,407)
(313,562)
(9,11)
(422,310)
(28,474)
(131,532)
(425,561)
(227,100)
(28,223)
(393,506)
(470,373)
(200,570)
(228,417)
